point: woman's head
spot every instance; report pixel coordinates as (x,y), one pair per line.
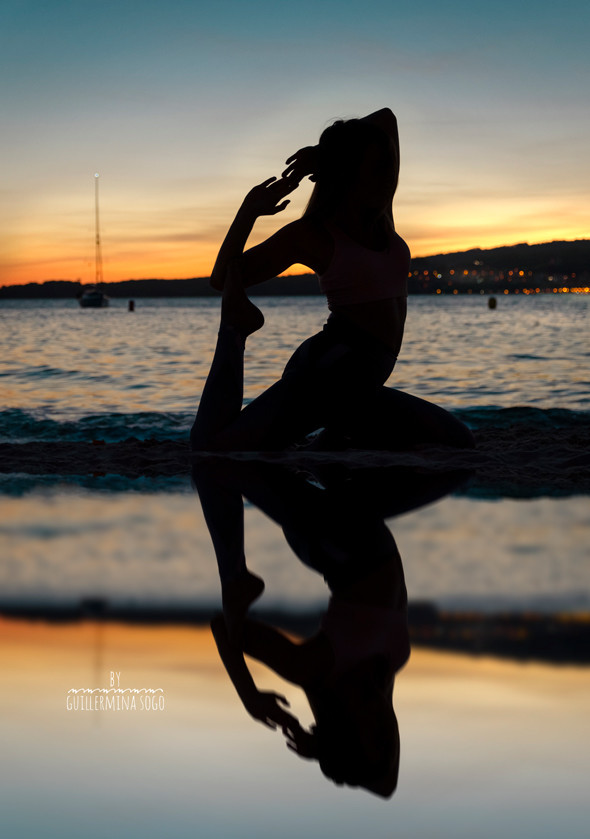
(355,164)
(357,743)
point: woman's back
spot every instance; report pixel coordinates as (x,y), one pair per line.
(359,274)
(368,286)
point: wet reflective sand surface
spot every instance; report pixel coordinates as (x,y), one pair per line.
(488,747)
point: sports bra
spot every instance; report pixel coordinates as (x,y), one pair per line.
(357,274)
(359,631)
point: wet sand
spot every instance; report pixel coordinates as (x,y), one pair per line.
(514,461)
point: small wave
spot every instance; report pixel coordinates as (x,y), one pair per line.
(43,372)
(538,419)
(527,357)
(19,426)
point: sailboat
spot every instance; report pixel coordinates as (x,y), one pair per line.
(92,297)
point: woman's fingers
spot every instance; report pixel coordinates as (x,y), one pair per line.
(301,163)
(291,164)
(280,207)
(266,198)
(296,171)
(298,153)
(285,185)
(276,183)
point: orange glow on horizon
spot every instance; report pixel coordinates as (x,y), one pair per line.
(155,235)
(132,259)
(174,644)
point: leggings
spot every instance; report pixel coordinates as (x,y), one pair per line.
(339,370)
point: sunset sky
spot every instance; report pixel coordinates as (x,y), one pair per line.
(182,105)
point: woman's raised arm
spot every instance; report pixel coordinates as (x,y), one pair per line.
(266,706)
(297,243)
(385,119)
(265,199)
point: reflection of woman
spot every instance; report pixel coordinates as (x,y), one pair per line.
(347,668)
(335,379)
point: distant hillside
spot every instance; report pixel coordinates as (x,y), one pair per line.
(563,258)
(305,284)
(547,258)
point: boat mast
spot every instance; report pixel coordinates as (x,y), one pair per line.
(98,253)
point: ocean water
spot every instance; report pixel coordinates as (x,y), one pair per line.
(81,374)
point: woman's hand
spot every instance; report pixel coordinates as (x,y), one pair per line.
(302,163)
(300,741)
(265,199)
(265,706)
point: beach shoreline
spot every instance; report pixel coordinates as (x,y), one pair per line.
(514,461)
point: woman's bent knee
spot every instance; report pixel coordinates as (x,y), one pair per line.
(462,437)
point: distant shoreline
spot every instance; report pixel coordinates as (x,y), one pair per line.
(523,268)
(510,635)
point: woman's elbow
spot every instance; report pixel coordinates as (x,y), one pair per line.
(219,275)
(217,278)
(386,116)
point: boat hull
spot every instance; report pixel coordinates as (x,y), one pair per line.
(94,301)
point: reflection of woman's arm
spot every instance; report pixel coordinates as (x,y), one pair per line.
(262,705)
(301,664)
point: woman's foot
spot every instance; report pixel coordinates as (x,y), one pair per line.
(237,596)
(237,310)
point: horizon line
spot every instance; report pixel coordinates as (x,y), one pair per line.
(300,274)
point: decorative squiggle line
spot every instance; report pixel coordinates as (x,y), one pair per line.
(116,690)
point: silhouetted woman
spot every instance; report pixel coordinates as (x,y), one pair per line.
(335,379)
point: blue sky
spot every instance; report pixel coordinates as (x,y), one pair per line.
(182,106)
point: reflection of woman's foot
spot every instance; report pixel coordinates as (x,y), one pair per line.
(237,310)
(237,596)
